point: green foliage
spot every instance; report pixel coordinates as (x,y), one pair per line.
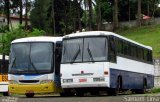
(106,9)
(65,12)
(147,35)
(157,12)
(3,28)
(155,90)
(8,37)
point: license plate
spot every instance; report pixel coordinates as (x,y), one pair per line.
(82,80)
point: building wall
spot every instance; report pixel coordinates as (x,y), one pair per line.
(14,22)
(157,72)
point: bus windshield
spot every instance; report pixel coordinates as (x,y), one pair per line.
(33,57)
(88,49)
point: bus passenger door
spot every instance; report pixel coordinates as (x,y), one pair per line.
(58,51)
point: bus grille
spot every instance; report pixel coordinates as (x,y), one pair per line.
(28,81)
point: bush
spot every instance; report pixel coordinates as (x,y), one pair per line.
(8,37)
(3,28)
(155,90)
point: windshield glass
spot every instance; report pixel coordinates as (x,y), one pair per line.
(84,49)
(31,57)
(94,49)
(72,50)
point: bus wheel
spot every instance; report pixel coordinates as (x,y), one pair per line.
(30,95)
(115,91)
(5,93)
(94,93)
(80,94)
(142,91)
(144,86)
(112,92)
(65,94)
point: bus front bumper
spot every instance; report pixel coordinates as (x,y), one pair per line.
(34,88)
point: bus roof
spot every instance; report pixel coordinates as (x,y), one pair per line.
(6,57)
(38,39)
(103,33)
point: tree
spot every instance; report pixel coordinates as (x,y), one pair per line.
(115,15)
(139,13)
(90,14)
(99,17)
(88,6)
(7,11)
(79,15)
(21,11)
(65,14)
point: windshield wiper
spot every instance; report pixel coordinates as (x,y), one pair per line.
(13,63)
(75,56)
(90,54)
(34,67)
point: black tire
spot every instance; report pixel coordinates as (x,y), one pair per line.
(94,93)
(142,91)
(112,92)
(80,94)
(115,91)
(30,95)
(5,93)
(65,94)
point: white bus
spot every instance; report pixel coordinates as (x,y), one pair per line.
(4,62)
(35,66)
(104,61)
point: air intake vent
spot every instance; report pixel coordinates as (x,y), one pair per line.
(28,81)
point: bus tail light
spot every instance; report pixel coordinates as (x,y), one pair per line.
(105,72)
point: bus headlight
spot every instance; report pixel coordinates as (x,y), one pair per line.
(46,81)
(67,80)
(98,79)
(13,82)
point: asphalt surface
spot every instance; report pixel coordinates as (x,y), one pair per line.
(102,98)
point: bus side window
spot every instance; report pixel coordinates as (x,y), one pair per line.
(149,56)
(112,50)
(58,51)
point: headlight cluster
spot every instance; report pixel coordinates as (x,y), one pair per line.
(46,81)
(13,82)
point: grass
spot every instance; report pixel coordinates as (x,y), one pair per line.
(147,35)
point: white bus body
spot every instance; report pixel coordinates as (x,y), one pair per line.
(93,61)
(35,66)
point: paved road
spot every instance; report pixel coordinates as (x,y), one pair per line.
(121,98)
